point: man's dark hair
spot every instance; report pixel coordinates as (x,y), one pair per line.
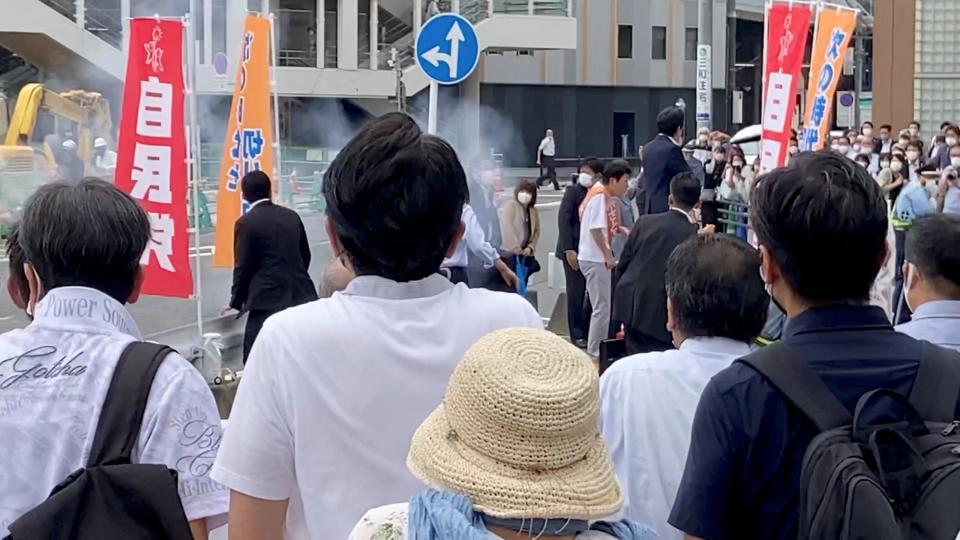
(394,197)
(943,125)
(824,220)
(669,120)
(714,286)
(255,186)
(17,258)
(685,189)
(595,164)
(917,123)
(887,127)
(931,246)
(88,235)
(615,170)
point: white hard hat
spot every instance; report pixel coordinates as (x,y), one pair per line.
(100,142)
(69,145)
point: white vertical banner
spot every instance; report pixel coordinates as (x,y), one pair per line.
(704,85)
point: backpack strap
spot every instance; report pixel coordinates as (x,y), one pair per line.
(800,385)
(119,425)
(936,390)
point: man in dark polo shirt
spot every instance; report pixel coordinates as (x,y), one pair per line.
(821,224)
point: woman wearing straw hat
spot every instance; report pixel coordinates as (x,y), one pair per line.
(513,452)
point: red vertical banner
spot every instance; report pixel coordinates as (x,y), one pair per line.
(786,30)
(152,151)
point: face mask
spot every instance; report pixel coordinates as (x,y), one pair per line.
(856,148)
(719,157)
(866,150)
(884,164)
(896,166)
(715,145)
(843,148)
(955,162)
(863,164)
(738,164)
(768,287)
(951,141)
(524,198)
(912,155)
(868,132)
(585,179)
(794,150)
(703,139)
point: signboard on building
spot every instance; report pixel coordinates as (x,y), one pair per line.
(704,85)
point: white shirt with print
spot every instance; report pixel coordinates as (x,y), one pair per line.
(54,376)
(594,217)
(334,390)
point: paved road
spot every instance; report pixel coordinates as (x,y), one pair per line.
(157,315)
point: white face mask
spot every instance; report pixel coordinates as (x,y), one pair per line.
(585,179)
(912,155)
(835,147)
(868,132)
(955,162)
(856,148)
(719,157)
(794,150)
(738,164)
(896,166)
(843,148)
(884,164)
(866,150)
(524,197)
(951,141)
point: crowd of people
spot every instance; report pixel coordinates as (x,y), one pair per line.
(408,405)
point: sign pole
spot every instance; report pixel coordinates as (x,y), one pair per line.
(432,111)
(704,64)
(193,140)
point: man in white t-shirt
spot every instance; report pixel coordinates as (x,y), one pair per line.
(334,390)
(545,160)
(600,223)
(54,374)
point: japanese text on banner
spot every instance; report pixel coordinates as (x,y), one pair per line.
(151,156)
(787,26)
(249,138)
(835,26)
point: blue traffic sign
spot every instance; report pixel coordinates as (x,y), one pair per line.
(447,48)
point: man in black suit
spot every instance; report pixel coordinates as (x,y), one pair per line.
(272,258)
(568,240)
(641,299)
(662,160)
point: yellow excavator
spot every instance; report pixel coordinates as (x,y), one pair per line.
(26,164)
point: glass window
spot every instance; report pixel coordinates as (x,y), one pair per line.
(690,44)
(625,41)
(658,47)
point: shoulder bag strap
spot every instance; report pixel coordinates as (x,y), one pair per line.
(936,390)
(119,425)
(800,385)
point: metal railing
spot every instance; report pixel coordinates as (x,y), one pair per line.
(533,7)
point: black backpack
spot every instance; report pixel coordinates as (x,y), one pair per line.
(886,473)
(112,497)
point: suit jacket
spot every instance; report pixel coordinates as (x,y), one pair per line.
(640,300)
(272,258)
(568,220)
(512,227)
(662,160)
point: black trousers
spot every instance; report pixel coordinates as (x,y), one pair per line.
(901,240)
(548,163)
(638,342)
(458,274)
(578,312)
(255,320)
(710,212)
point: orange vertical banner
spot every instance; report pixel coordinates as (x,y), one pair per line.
(835,25)
(249,140)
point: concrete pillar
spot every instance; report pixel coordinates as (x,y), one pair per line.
(321,33)
(374,34)
(207,31)
(81,14)
(125,24)
(417,15)
(470,119)
(347,34)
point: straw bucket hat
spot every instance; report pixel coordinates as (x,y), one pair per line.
(517,431)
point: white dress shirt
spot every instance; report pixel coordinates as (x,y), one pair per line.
(473,239)
(647,406)
(548,147)
(54,376)
(937,322)
(334,390)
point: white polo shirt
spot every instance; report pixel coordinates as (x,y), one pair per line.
(334,390)
(474,240)
(54,376)
(647,405)
(548,147)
